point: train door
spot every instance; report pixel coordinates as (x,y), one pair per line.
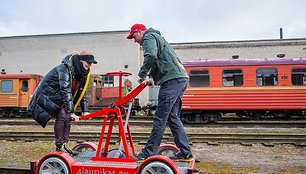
(24,92)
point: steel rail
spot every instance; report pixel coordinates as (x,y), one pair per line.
(13,170)
(141,137)
(148,122)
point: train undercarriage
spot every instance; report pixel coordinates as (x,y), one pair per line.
(13,112)
(215,116)
(192,116)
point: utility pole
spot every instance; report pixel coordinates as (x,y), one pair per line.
(281,33)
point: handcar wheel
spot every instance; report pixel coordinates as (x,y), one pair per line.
(115,153)
(167,151)
(84,148)
(53,165)
(156,167)
(86,151)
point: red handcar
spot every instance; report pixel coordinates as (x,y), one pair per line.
(99,159)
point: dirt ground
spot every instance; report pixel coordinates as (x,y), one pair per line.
(255,159)
(215,159)
(219,159)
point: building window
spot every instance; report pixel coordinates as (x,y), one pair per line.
(199,78)
(266,77)
(298,76)
(232,77)
(108,81)
(7,86)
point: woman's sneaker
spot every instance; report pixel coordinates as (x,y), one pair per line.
(59,148)
(71,152)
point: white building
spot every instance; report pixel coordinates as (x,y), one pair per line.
(40,53)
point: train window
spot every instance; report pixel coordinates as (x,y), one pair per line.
(266,77)
(25,86)
(298,76)
(232,77)
(199,78)
(7,86)
(108,81)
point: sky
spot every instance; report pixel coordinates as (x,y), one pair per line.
(178,20)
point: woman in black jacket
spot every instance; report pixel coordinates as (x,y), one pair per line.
(60,92)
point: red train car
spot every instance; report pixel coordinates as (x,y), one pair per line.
(15,92)
(250,88)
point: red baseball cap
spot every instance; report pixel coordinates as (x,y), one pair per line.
(134,28)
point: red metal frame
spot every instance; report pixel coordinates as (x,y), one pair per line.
(114,111)
(118,103)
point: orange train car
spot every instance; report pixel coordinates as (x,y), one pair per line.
(249,88)
(15,93)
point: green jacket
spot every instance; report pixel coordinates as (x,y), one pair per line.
(160,61)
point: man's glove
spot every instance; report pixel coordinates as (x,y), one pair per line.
(140,80)
(149,82)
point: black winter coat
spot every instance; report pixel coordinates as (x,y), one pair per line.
(55,91)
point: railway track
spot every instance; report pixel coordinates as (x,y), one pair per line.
(141,137)
(147,121)
(12,170)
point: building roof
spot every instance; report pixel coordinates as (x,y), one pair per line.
(237,62)
(19,76)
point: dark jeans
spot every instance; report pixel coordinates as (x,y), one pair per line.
(62,127)
(168,110)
